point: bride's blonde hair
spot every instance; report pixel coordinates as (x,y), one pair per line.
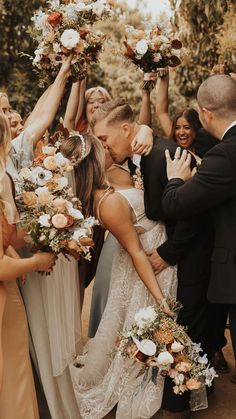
(88,157)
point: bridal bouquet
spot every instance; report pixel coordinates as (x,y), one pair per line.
(67,28)
(158,342)
(50,213)
(151,50)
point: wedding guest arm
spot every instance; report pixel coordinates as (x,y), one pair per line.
(162,104)
(145,114)
(12,267)
(37,128)
(82,102)
(143,141)
(75,105)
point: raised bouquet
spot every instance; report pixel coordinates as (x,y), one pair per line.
(158,342)
(151,50)
(50,213)
(68,28)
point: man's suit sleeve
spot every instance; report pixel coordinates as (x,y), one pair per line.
(212,184)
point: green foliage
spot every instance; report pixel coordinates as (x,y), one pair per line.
(16,75)
(206,27)
(226,38)
(198,24)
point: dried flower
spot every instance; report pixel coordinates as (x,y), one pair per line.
(193,384)
(55,19)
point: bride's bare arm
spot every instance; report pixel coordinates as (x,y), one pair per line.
(115,215)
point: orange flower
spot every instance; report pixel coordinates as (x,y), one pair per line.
(163,336)
(55,19)
(38,161)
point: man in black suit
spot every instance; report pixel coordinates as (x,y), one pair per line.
(114,124)
(213,188)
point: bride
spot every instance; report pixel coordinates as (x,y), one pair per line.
(102,378)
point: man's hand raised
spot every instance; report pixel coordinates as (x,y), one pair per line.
(180,166)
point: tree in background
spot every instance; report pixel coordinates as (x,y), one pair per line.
(207,28)
(226,37)
(16,74)
(198,23)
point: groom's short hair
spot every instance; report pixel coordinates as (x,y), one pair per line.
(114,111)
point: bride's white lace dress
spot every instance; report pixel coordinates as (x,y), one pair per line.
(107,379)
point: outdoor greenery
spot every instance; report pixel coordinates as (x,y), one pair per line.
(206,27)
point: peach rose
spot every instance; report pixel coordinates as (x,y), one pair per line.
(29,198)
(60,204)
(59,221)
(44,198)
(50,163)
(193,384)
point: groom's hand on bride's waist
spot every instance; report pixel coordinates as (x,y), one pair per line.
(158,264)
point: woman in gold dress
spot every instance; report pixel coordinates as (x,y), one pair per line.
(17,392)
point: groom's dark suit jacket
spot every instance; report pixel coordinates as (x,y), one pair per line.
(213,187)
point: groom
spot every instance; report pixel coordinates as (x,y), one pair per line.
(114,124)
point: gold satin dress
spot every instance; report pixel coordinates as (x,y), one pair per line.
(17,391)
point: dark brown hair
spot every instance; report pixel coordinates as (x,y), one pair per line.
(191,115)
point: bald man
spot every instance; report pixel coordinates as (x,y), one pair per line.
(213,187)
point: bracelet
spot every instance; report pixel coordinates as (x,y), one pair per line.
(161,301)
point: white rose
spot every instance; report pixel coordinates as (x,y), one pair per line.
(74,212)
(25,173)
(42,190)
(70,10)
(146,346)
(49,150)
(61,160)
(176,347)
(70,38)
(165,358)
(141,47)
(78,234)
(98,7)
(145,316)
(62,183)
(44,220)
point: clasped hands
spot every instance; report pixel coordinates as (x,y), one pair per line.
(180,166)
